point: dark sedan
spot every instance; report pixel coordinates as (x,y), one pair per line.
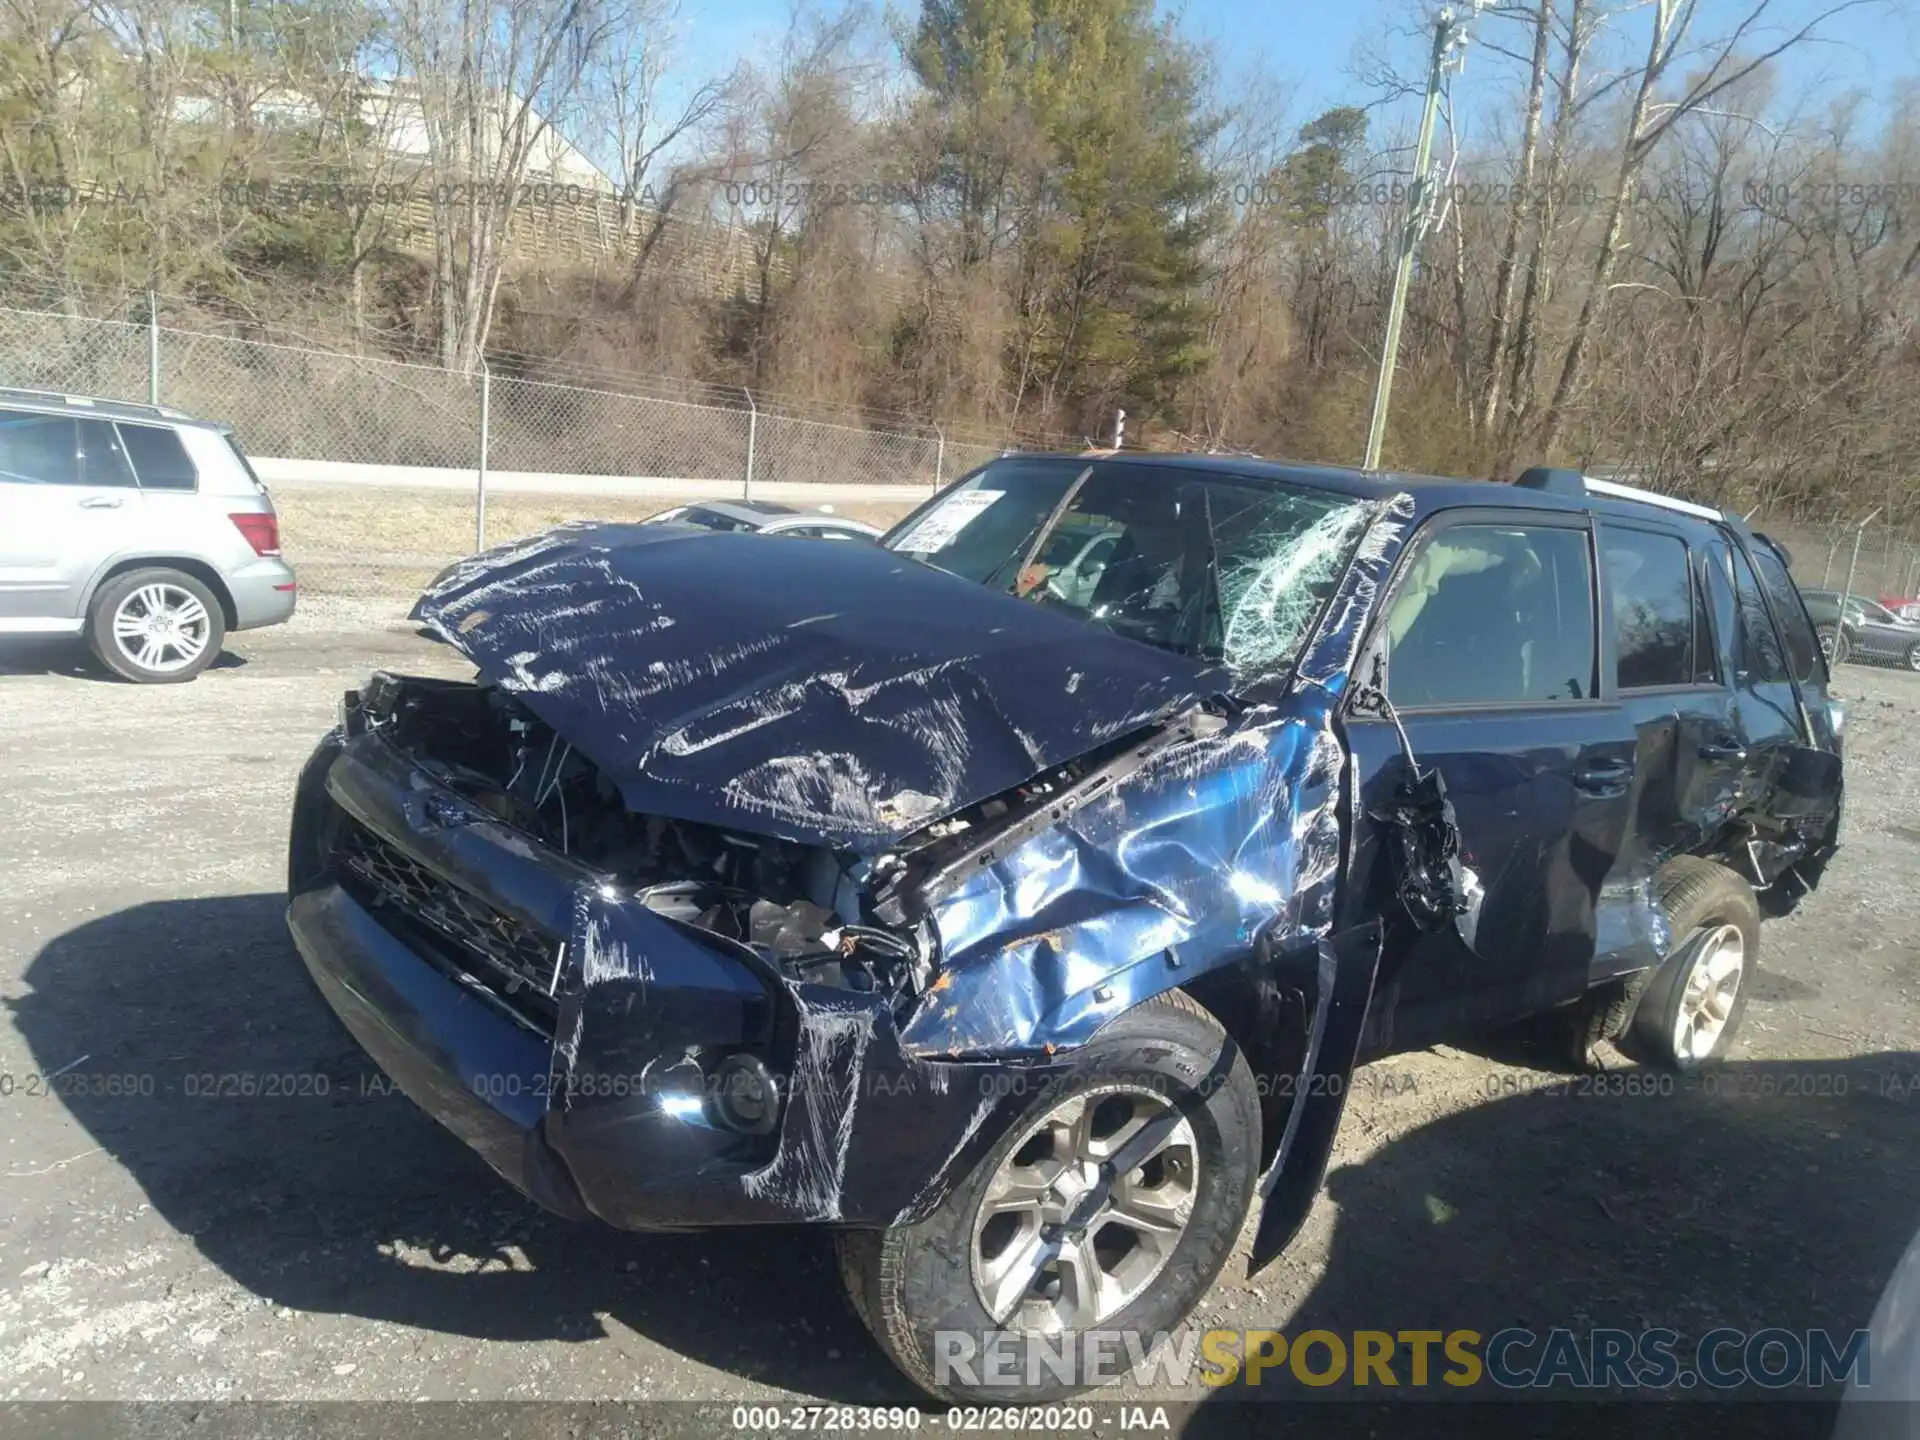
(1872,634)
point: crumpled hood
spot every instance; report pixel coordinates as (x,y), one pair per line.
(825,692)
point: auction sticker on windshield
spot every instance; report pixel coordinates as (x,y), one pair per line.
(938,527)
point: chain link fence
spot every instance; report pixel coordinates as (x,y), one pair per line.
(1887,564)
(439,462)
(1863,556)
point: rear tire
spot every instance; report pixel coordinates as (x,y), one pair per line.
(1693,1004)
(155,626)
(1913,656)
(1168,1058)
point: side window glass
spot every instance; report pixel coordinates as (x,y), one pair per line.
(1493,614)
(38,449)
(102,461)
(1803,648)
(158,457)
(1760,654)
(1651,598)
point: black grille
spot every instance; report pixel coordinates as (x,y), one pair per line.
(509,957)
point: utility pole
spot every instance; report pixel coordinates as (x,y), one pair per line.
(1449,33)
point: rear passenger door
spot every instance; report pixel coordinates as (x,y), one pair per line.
(1490,657)
(1661,652)
(69,500)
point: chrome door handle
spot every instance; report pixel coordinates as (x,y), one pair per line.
(100,502)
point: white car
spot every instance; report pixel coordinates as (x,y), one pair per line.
(140,528)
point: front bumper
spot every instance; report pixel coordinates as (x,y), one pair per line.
(596,1108)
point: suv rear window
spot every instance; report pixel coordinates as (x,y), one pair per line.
(159,459)
(1493,614)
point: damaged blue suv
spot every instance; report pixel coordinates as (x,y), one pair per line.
(1016,897)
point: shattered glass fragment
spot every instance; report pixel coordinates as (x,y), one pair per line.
(1268,600)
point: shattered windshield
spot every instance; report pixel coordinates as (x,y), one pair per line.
(1224,568)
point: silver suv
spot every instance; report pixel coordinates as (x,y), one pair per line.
(136,526)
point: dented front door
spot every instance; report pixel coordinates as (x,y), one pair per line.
(1488,652)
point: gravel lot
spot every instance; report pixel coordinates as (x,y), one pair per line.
(164,1245)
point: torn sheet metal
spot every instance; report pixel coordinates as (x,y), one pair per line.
(1170,873)
(1423,835)
(1339,990)
(1631,931)
(828,694)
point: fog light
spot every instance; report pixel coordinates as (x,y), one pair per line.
(745,1095)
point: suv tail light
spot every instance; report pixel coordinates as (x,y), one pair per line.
(261,529)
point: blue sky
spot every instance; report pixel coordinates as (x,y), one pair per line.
(1314,48)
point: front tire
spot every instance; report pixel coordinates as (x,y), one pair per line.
(155,626)
(1045,1239)
(1834,645)
(1693,1004)
(1913,656)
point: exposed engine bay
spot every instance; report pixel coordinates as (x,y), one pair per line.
(813,913)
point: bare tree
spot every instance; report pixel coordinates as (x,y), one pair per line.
(488,76)
(1723,64)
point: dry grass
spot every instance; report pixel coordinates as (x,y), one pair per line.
(349,541)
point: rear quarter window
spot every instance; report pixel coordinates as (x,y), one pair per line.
(159,459)
(1761,656)
(1802,646)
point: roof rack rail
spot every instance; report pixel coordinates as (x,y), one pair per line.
(69,397)
(1572,483)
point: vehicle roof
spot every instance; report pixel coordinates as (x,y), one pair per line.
(1430,492)
(50,402)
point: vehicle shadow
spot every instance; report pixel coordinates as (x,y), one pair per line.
(1761,1194)
(1778,1194)
(68,655)
(44,655)
(352,1201)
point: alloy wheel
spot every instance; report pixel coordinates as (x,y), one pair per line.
(1085,1211)
(1712,984)
(161,627)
